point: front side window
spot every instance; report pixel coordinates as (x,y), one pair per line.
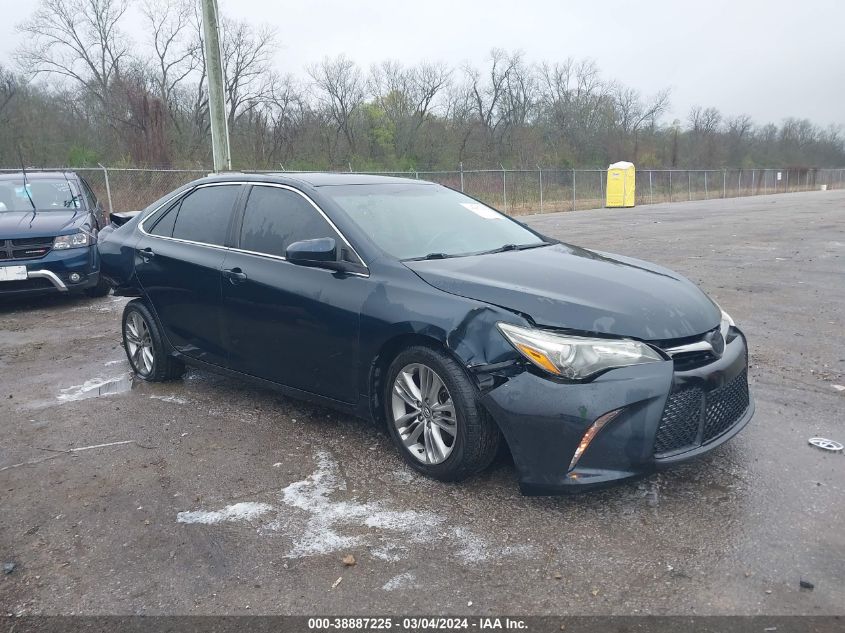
(275,218)
(89,192)
(412,221)
(201,216)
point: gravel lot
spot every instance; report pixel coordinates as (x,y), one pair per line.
(208,496)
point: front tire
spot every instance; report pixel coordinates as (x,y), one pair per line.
(144,346)
(434,417)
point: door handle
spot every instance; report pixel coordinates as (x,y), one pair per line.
(234,275)
(146,254)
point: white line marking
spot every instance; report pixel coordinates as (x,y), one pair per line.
(60,453)
(93,446)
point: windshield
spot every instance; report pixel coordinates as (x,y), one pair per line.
(415,221)
(46,194)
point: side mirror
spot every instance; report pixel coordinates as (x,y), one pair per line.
(321,252)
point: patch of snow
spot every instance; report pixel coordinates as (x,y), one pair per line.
(334,524)
(245,511)
(474,549)
(322,532)
(389,552)
(96,387)
(173,399)
(400,582)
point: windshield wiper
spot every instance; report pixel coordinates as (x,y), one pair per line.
(500,249)
(430,256)
(25,183)
(513,247)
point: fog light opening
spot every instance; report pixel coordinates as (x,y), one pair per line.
(74,278)
(596,426)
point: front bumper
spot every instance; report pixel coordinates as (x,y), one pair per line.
(52,273)
(543,420)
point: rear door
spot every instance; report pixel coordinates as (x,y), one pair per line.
(294,325)
(178,262)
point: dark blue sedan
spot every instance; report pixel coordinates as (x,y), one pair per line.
(456,327)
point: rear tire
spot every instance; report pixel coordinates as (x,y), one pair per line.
(144,345)
(434,416)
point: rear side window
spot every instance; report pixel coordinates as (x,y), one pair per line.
(202,216)
(275,218)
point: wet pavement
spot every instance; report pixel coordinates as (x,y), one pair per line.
(208,496)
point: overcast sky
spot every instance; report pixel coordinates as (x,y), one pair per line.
(770,59)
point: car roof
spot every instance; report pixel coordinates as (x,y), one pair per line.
(38,175)
(318,179)
(324,179)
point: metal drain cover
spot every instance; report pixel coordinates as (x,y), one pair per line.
(826,444)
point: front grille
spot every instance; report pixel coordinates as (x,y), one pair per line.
(680,423)
(25,248)
(693,417)
(725,406)
(29,241)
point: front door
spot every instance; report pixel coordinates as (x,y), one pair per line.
(294,325)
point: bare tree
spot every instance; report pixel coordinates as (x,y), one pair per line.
(520,94)
(704,121)
(704,126)
(739,127)
(339,88)
(8,89)
(488,92)
(407,96)
(173,46)
(247,64)
(632,113)
(484,96)
(286,111)
(77,39)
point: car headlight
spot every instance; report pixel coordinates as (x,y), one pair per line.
(726,324)
(75,240)
(576,357)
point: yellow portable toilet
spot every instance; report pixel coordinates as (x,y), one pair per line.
(621,184)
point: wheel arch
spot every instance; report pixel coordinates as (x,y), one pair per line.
(386,353)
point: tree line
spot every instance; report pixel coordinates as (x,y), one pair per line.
(79,92)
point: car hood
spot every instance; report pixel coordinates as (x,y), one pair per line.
(17,224)
(562,286)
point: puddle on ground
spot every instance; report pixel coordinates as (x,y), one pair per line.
(97,387)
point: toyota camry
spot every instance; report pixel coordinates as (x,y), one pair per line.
(457,328)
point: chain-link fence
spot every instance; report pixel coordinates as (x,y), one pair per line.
(515,191)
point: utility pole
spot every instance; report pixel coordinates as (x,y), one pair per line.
(216,93)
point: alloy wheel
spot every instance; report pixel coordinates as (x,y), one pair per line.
(424,414)
(139,343)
